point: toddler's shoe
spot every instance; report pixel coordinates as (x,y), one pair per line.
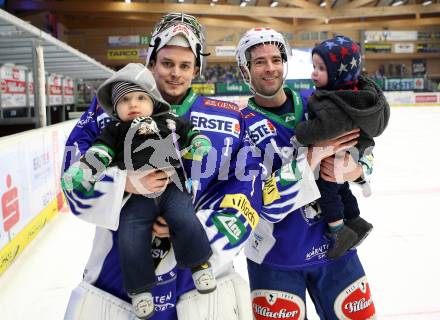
(361,227)
(341,241)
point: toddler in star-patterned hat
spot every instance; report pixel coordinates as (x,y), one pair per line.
(342,59)
(344,101)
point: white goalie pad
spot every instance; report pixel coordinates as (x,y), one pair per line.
(88,302)
(230,301)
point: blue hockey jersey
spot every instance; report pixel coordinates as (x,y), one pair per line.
(290,236)
(227,197)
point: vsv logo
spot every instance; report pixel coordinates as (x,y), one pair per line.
(262,130)
(215,123)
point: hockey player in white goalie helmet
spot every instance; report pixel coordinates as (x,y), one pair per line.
(176,55)
(182,30)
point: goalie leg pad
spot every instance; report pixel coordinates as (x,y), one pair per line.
(89,302)
(230,301)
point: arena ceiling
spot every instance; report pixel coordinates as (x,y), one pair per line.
(287,15)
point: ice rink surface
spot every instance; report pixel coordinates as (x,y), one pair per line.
(400,257)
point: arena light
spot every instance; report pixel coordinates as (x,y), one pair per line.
(427,2)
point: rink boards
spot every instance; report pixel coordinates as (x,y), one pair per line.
(30,191)
(394,98)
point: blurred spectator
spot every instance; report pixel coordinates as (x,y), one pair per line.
(380,72)
(220,73)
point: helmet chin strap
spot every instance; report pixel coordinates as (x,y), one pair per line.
(264,96)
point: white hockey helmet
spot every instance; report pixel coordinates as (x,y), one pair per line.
(254,37)
(175,24)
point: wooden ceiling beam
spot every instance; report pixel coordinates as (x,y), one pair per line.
(357,3)
(88,21)
(269,20)
(197,9)
(119,16)
(129,20)
(245,25)
(236,17)
(328,5)
(101,23)
(220,10)
(312,25)
(382,11)
(301,4)
(407,23)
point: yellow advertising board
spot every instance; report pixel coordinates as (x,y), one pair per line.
(123,54)
(206,89)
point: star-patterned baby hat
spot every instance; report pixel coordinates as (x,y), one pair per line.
(343,61)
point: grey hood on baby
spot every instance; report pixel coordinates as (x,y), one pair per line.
(135,73)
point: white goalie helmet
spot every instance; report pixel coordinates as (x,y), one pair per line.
(257,36)
(178,24)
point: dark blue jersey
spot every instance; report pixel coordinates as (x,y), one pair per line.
(289,236)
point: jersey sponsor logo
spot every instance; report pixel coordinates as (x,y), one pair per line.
(270,191)
(83,122)
(230,226)
(241,203)
(354,302)
(205,122)
(262,130)
(289,117)
(221,104)
(273,304)
(249,115)
(318,252)
(163,306)
(103,119)
(163,302)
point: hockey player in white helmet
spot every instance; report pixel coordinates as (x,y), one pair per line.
(272,40)
(287,252)
(176,55)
